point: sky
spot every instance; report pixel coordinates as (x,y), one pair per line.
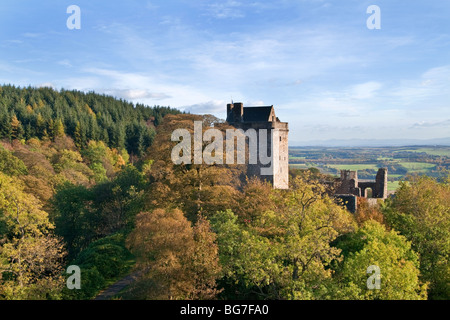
(316,61)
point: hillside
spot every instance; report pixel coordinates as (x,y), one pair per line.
(45,114)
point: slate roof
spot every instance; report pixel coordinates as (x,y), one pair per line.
(254,114)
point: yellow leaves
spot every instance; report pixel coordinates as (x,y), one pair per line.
(117,158)
(89,110)
(32,255)
(35,263)
(181,258)
(15,123)
(21,211)
(34,143)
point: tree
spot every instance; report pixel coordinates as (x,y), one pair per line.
(98,159)
(39,110)
(41,175)
(366,212)
(40,125)
(103,260)
(58,130)
(78,136)
(30,255)
(118,202)
(11,165)
(180,261)
(197,189)
(69,164)
(16,128)
(205,267)
(421,212)
(285,251)
(72,217)
(390,253)
(5,122)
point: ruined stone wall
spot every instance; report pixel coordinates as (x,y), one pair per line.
(381,184)
(348,183)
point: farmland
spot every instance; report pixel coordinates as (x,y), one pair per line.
(400,161)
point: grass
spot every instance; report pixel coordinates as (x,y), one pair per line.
(299,166)
(417,166)
(436,151)
(392,185)
(443,152)
(354,166)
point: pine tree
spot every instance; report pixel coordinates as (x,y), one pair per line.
(78,136)
(58,129)
(16,128)
(40,125)
(5,125)
(51,128)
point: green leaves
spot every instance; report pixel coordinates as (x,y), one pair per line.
(11,165)
(421,212)
(285,252)
(372,245)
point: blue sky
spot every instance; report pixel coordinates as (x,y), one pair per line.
(316,61)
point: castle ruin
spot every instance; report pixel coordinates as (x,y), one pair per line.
(259,118)
(348,187)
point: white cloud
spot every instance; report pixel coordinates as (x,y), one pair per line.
(225,10)
(429,124)
(142,88)
(432,83)
(32,35)
(46,85)
(209,107)
(151,6)
(137,94)
(65,63)
(365,90)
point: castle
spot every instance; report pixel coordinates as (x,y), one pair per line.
(348,187)
(259,118)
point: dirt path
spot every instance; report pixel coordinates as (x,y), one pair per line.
(116,287)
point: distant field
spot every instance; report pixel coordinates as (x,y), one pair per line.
(392,185)
(395,176)
(353,166)
(299,166)
(417,166)
(435,151)
(400,161)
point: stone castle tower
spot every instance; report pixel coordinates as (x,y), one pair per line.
(259,118)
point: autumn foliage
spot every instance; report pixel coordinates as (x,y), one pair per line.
(89,180)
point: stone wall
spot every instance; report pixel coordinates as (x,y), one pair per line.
(277,171)
(349,186)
